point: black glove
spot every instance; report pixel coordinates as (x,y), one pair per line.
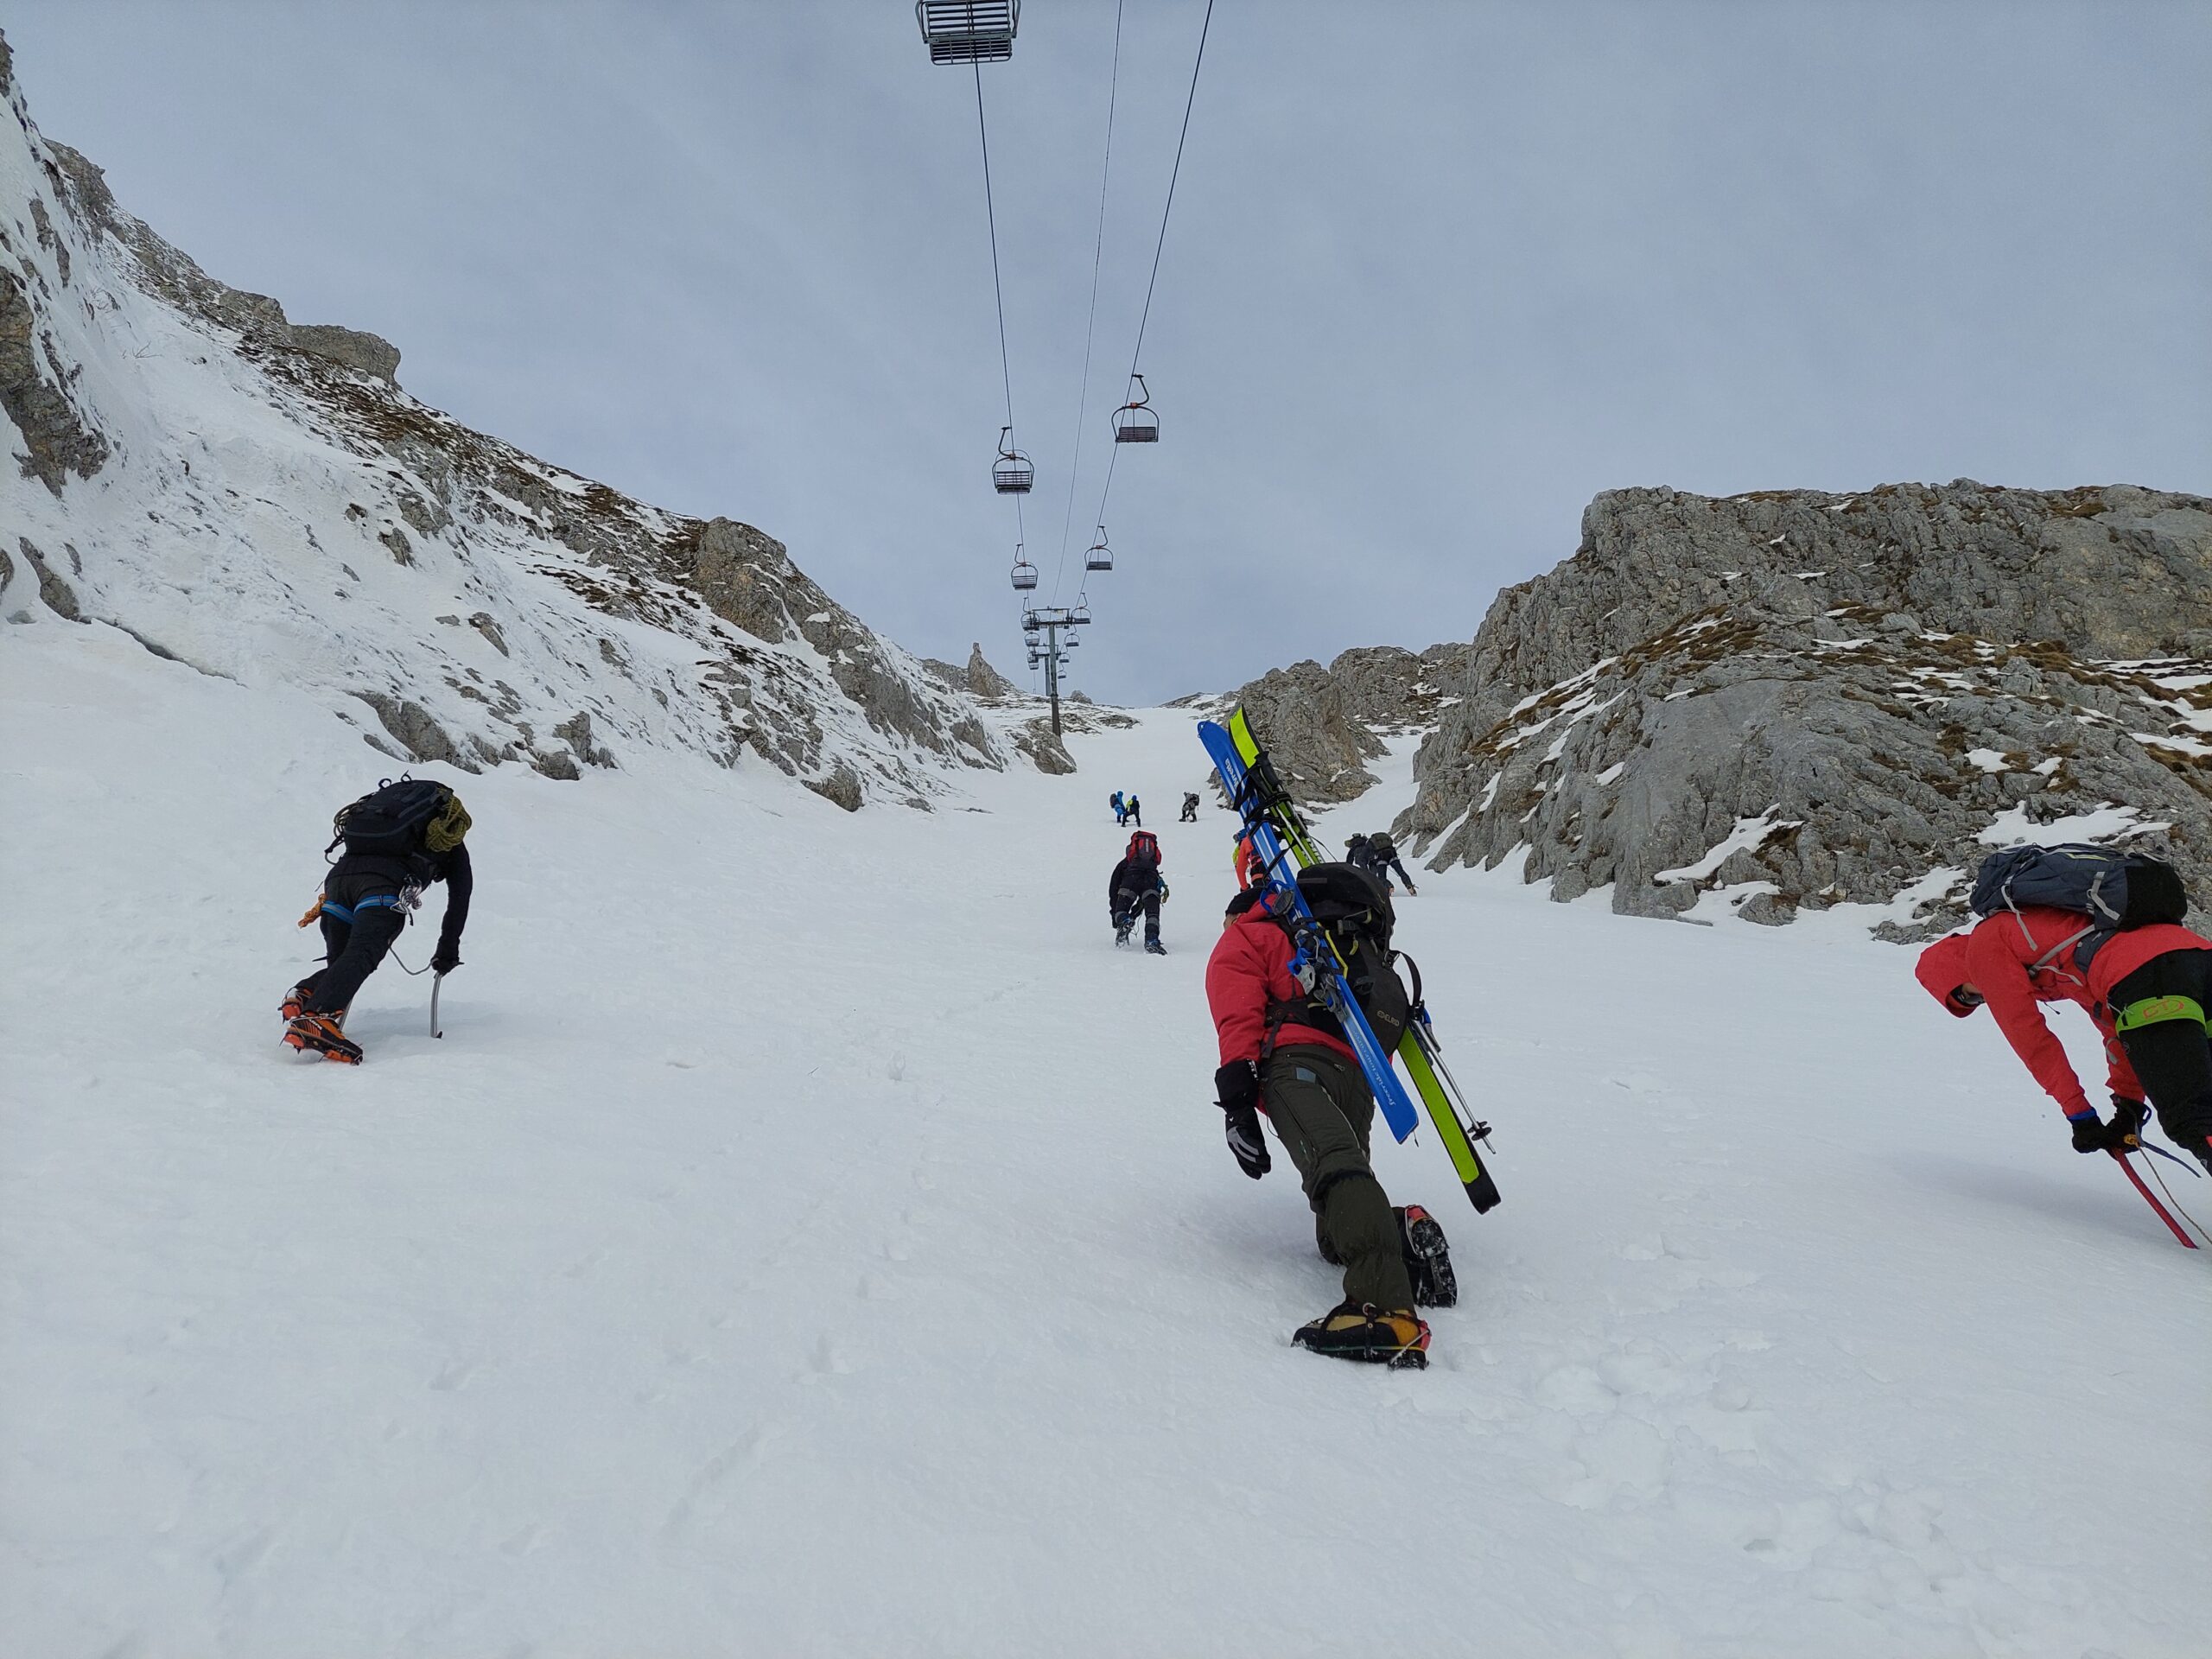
(2124,1132)
(1236,1086)
(447,958)
(2089,1132)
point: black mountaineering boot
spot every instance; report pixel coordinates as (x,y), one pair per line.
(1428,1262)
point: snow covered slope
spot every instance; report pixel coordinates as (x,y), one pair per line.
(809,1239)
(261,501)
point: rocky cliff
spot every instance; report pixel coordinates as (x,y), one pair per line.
(1323,725)
(1790,701)
(261,500)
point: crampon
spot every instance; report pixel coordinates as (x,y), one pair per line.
(319,1034)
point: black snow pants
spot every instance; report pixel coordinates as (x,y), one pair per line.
(1322,1111)
(1127,903)
(2160,1010)
(361,917)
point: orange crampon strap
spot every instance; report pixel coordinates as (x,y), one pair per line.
(315,910)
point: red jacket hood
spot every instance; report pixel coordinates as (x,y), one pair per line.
(1943,969)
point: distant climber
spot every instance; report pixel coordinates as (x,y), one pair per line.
(1121,808)
(399,839)
(1283,1053)
(1135,888)
(1190,806)
(1136,812)
(1378,856)
(2147,986)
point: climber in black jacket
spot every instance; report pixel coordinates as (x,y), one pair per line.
(1135,886)
(366,901)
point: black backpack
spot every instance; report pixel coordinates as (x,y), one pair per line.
(2112,891)
(391,821)
(1353,911)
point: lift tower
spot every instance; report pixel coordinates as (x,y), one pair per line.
(1050,621)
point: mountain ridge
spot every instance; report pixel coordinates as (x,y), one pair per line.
(1797,700)
(262,500)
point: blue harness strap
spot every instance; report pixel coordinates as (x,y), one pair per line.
(374,901)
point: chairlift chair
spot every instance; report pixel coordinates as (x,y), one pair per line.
(1099,556)
(968,31)
(1012,474)
(1025,573)
(1134,421)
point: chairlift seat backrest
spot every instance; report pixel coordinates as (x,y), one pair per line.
(968,31)
(1135,424)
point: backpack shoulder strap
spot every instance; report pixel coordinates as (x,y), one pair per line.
(2052,956)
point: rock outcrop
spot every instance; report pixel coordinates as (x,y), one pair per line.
(978,679)
(1810,699)
(261,500)
(1321,725)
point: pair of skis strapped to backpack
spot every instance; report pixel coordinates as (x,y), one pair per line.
(1278,833)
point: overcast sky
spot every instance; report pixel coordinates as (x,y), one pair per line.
(1437,273)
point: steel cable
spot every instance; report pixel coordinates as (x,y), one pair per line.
(1097,250)
(1137,356)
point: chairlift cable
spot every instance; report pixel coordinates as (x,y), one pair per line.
(1174,172)
(1097,250)
(991,212)
(1137,356)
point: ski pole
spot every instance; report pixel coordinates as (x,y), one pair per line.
(2172,1226)
(435,986)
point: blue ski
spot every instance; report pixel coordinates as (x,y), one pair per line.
(1397,1106)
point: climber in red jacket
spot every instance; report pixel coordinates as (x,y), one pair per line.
(2147,988)
(1283,1053)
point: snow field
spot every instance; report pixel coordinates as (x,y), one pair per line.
(812,1236)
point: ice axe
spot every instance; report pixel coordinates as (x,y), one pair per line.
(2128,1169)
(435,986)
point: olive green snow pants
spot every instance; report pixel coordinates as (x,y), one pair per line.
(1322,1109)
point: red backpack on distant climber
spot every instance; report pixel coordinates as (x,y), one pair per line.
(1145,845)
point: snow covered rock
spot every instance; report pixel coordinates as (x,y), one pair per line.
(260,500)
(1803,700)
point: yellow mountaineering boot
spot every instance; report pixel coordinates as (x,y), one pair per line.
(1375,1336)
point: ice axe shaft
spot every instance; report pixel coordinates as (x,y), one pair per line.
(2172,1226)
(438,984)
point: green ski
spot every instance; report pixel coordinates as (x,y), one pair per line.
(1418,1051)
